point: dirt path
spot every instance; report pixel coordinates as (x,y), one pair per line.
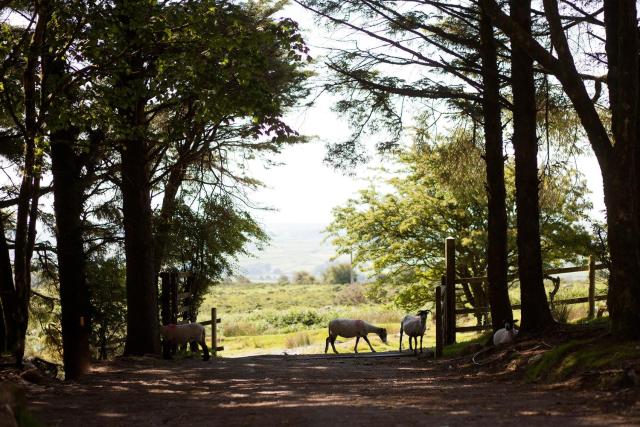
(299,390)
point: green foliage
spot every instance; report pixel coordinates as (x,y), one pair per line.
(413,296)
(208,62)
(377,292)
(337,273)
(45,336)
(398,234)
(106,279)
(208,240)
(205,84)
(303,278)
(296,319)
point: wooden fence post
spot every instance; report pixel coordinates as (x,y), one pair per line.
(450,291)
(214,337)
(592,287)
(439,331)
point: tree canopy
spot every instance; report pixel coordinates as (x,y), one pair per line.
(396,228)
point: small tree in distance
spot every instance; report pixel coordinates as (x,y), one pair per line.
(242,280)
(337,274)
(283,280)
(303,278)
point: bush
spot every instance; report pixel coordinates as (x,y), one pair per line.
(303,278)
(295,318)
(350,295)
(240,328)
(338,273)
(299,339)
(561,312)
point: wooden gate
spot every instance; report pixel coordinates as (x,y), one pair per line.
(446,311)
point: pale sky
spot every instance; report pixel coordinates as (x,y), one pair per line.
(304,189)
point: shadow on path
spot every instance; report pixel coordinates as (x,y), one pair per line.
(307,390)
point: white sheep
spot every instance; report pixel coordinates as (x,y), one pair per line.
(414,327)
(183,334)
(507,334)
(348,328)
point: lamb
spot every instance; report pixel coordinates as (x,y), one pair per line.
(414,327)
(348,328)
(507,334)
(183,334)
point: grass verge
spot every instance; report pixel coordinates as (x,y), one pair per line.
(582,356)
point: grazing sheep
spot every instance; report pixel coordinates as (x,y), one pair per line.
(348,328)
(507,334)
(414,327)
(183,334)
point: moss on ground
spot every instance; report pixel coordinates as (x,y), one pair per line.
(581,356)
(464,346)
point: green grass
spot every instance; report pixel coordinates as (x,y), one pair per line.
(579,356)
(308,342)
(463,341)
(272,318)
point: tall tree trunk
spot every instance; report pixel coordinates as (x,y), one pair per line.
(142,299)
(618,175)
(143,335)
(29,189)
(7,293)
(536,314)
(621,172)
(619,162)
(75,303)
(497,267)
(142,296)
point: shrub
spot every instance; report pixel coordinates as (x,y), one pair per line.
(298,339)
(561,312)
(303,278)
(338,273)
(350,295)
(240,328)
(295,318)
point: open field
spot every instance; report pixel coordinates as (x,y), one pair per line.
(272,318)
(279,318)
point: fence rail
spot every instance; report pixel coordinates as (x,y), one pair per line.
(561,270)
(446,310)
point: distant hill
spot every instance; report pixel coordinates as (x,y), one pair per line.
(293,247)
